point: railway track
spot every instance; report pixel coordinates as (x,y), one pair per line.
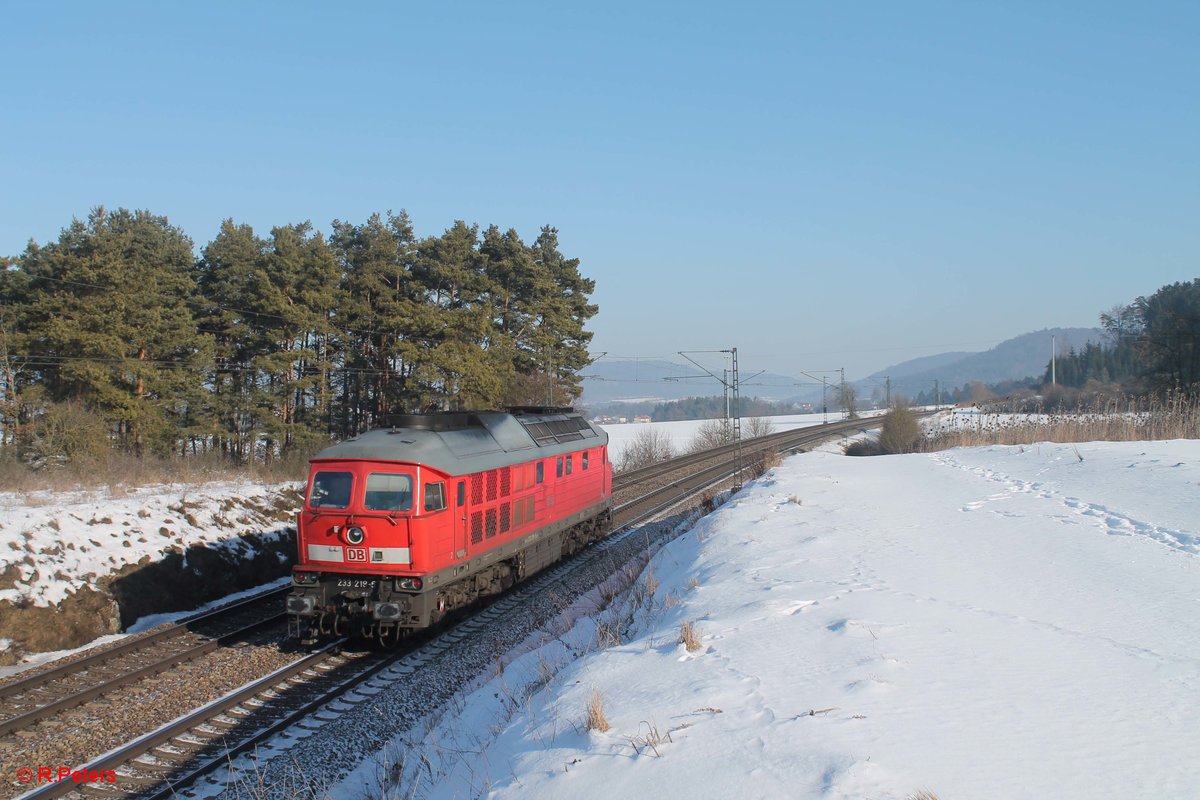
(328,683)
(41,696)
(781,442)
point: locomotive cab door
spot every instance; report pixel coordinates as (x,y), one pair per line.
(460,518)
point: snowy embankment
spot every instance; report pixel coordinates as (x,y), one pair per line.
(986,623)
(78,565)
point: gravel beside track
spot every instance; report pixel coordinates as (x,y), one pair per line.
(83,733)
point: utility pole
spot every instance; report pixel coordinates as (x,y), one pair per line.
(737,411)
(887,392)
(845,399)
(725,386)
(733,409)
(937,395)
(1053,377)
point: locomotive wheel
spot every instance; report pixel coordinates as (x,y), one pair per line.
(322,624)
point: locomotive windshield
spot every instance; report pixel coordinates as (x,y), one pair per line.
(388,492)
(330,490)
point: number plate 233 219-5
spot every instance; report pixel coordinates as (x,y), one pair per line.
(355,583)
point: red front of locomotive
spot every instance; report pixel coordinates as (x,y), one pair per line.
(369,532)
(363,516)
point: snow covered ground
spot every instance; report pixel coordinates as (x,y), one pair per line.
(58,542)
(997,622)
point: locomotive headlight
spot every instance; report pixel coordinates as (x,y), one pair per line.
(355,535)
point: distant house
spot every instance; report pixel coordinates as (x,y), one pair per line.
(642,418)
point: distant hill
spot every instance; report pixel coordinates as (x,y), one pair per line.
(1020,357)
(657,380)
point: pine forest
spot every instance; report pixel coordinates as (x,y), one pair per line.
(122,335)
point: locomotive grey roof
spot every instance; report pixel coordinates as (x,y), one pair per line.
(463,443)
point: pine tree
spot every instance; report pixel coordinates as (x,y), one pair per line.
(114,325)
(377,305)
(227,270)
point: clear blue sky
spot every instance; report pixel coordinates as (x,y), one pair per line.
(819,184)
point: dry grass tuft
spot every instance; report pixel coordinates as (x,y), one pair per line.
(689,636)
(1107,420)
(596,721)
(764,461)
(651,582)
(923,794)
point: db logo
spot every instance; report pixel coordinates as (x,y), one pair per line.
(356,554)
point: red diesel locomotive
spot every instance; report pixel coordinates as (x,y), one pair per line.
(403,524)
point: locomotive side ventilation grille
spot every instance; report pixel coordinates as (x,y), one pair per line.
(557,431)
(489,524)
(505,516)
(476,527)
(491,485)
(506,482)
(476,489)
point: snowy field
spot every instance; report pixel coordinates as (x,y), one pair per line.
(1002,622)
(681,433)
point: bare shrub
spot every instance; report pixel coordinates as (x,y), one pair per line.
(847,398)
(711,433)
(900,432)
(67,433)
(596,721)
(758,426)
(650,446)
(689,636)
(923,794)
(863,447)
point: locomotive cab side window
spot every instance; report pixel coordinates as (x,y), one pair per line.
(388,492)
(583,458)
(570,461)
(435,496)
(330,490)
(541,472)
(462,493)
(558,467)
